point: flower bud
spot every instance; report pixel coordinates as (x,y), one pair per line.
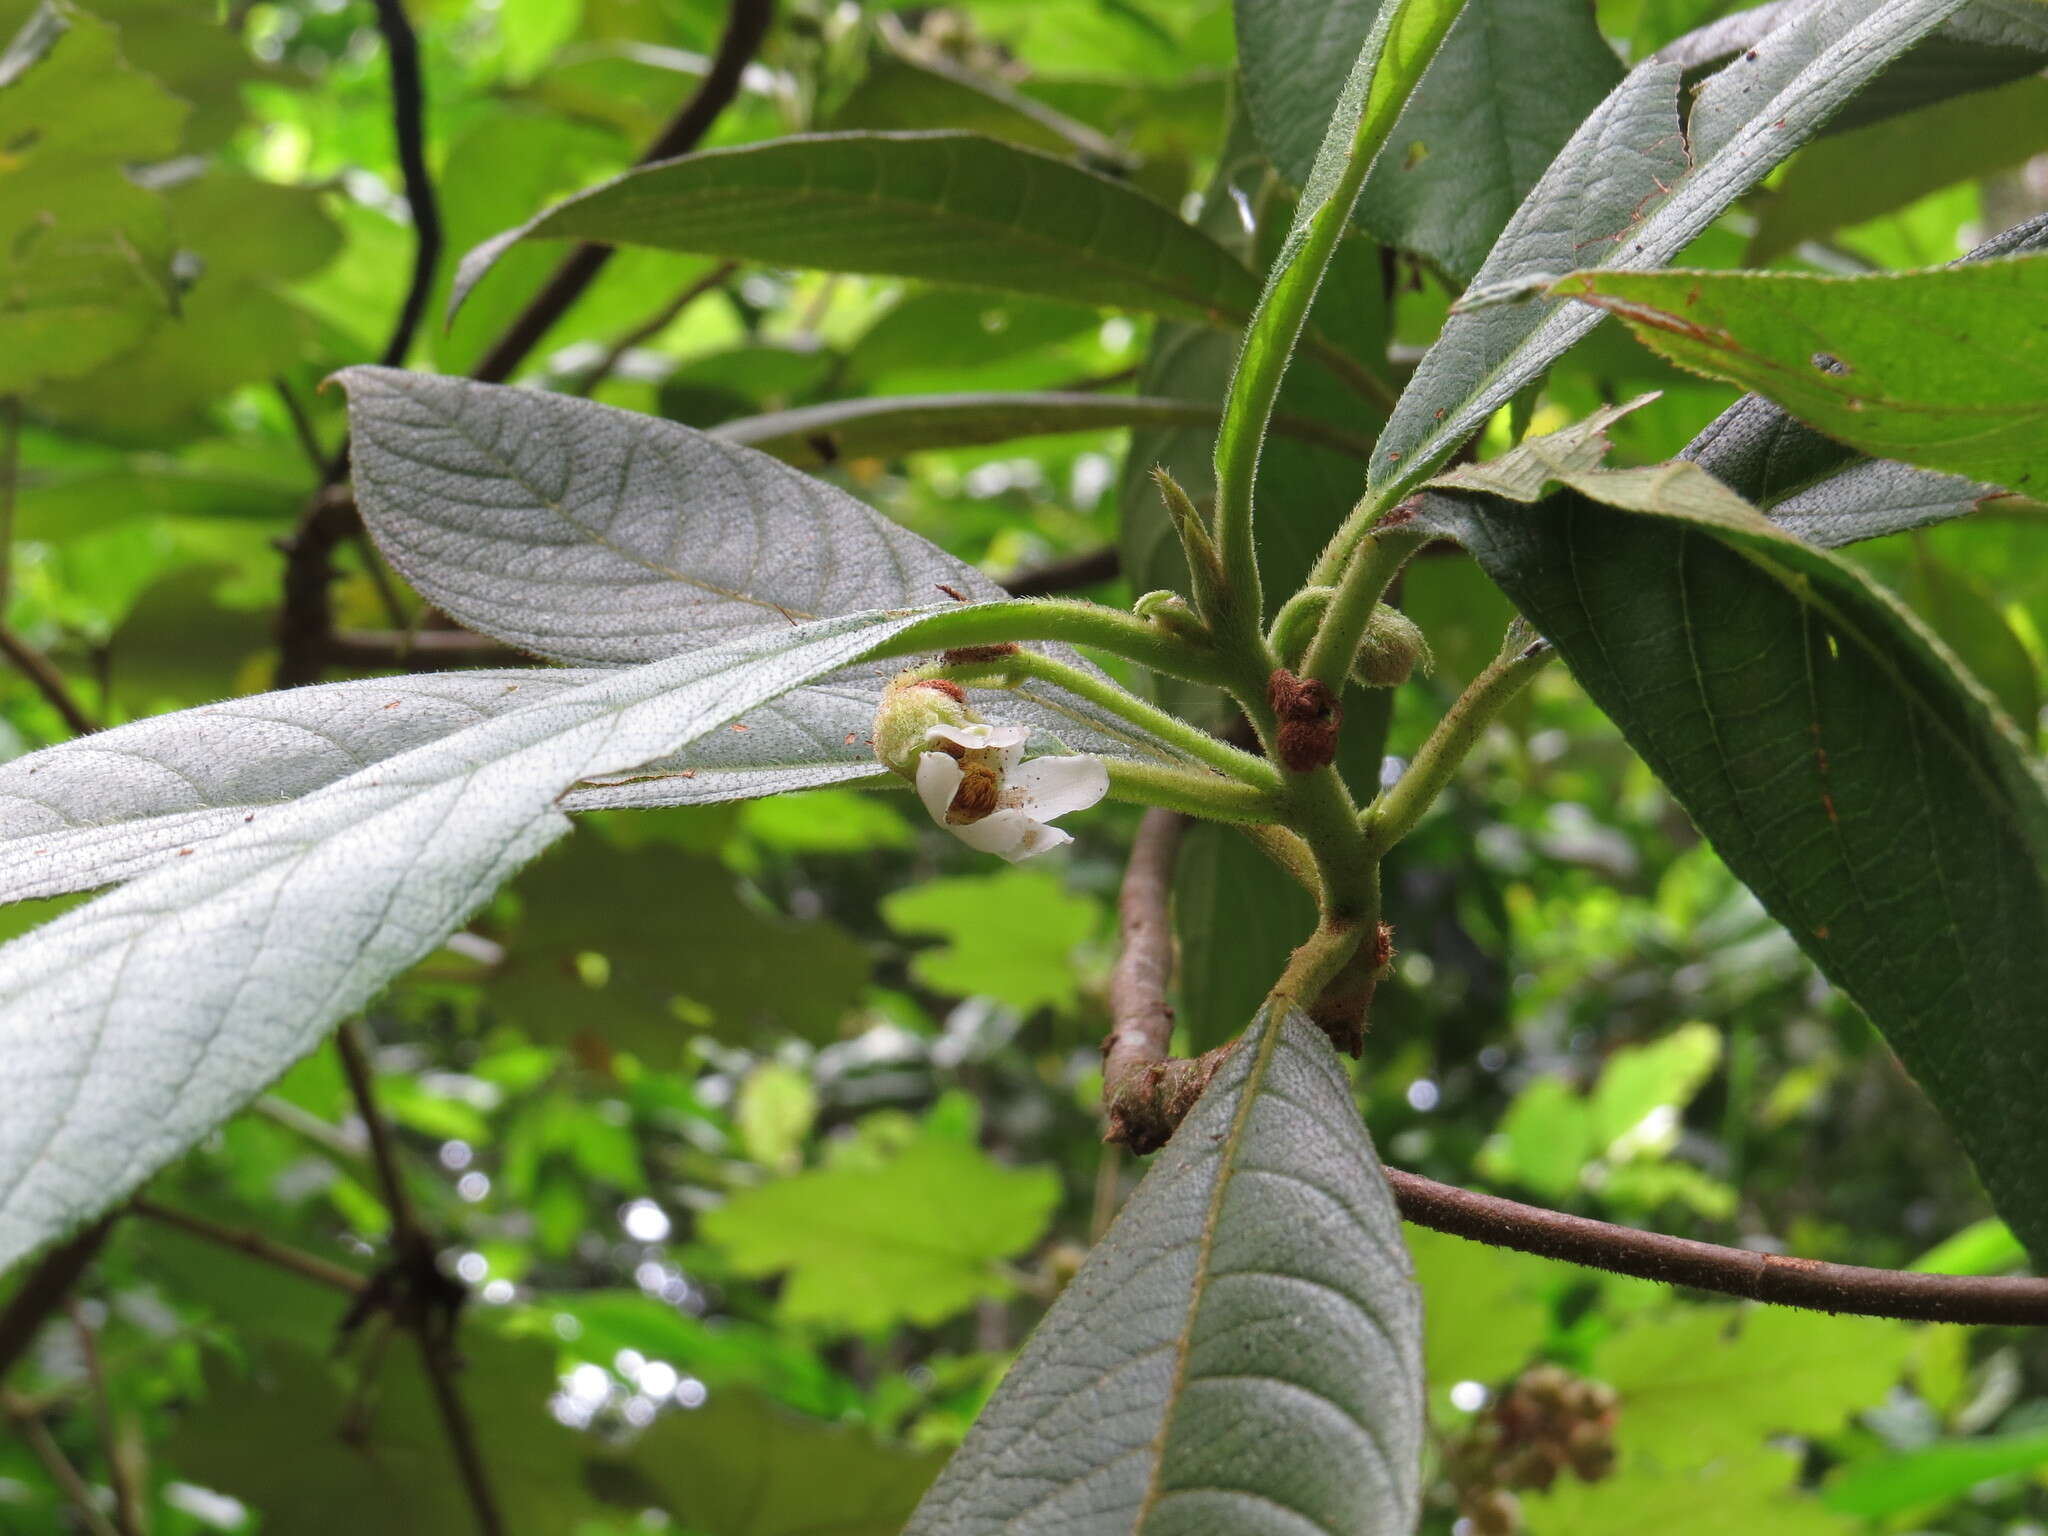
(1172,613)
(1392,648)
(911,707)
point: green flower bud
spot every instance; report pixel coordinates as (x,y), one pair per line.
(911,707)
(1297,622)
(1391,650)
(1172,613)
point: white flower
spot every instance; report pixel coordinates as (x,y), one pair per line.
(977,786)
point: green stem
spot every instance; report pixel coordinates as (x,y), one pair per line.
(1403,40)
(1066,619)
(1100,691)
(1357,523)
(1312,967)
(1394,815)
(1207,795)
(1366,579)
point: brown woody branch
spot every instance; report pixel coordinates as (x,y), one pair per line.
(255,1245)
(426,1300)
(1146,1094)
(1083,570)
(409,116)
(43,1289)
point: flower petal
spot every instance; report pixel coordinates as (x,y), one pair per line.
(1052,786)
(938,780)
(980,738)
(1011,835)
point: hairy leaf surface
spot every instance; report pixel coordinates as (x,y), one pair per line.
(132,1026)
(1242,1351)
(943,207)
(1868,791)
(1628,192)
(1486,119)
(1934,368)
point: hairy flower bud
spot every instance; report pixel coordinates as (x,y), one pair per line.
(1391,650)
(911,707)
(1172,613)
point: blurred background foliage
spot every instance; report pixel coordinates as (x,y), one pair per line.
(758,1135)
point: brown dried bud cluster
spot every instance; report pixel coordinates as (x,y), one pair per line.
(1309,715)
(1546,1423)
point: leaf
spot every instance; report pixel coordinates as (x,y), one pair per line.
(595,535)
(1927,367)
(1605,195)
(1704,1391)
(679,946)
(815,436)
(917,1239)
(1009,936)
(1931,1474)
(104,808)
(1642,1088)
(1239,918)
(1485,120)
(1762,453)
(1826,746)
(292,1440)
(134,1024)
(82,248)
(1831,185)
(738,1466)
(1242,1351)
(1462,1281)
(949,208)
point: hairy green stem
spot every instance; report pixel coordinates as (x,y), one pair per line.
(1316,964)
(1394,815)
(1209,796)
(1171,729)
(1077,623)
(1366,579)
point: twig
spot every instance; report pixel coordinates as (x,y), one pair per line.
(310,1127)
(1147,1094)
(10,475)
(1787,1281)
(127,1509)
(29,1425)
(302,426)
(409,112)
(255,1245)
(43,1290)
(41,671)
(415,1259)
(306,620)
(1083,570)
(426,649)
(653,326)
(745,29)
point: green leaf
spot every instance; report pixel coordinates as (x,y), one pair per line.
(1703,1390)
(1655,1080)
(814,436)
(1606,193)
(1847,178)
(1932,1474)
(1462,1282)
(1544,1142)
(1487,117)
(283,1439)
(589,534)
(1010,936)
(917,1239)
(1243,1349)
(83,250)
(1823,743)
(739,1466)
(133,1025)
(1928,367)
(776,1109)
(943,207)
(678,945)
(1782,464)
(1239,918)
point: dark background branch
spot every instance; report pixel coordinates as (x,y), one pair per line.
(745,30)
(409,111)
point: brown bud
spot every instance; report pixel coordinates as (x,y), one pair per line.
(1495,1513)
(975,655)
(1591,1451)
(1309,715)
